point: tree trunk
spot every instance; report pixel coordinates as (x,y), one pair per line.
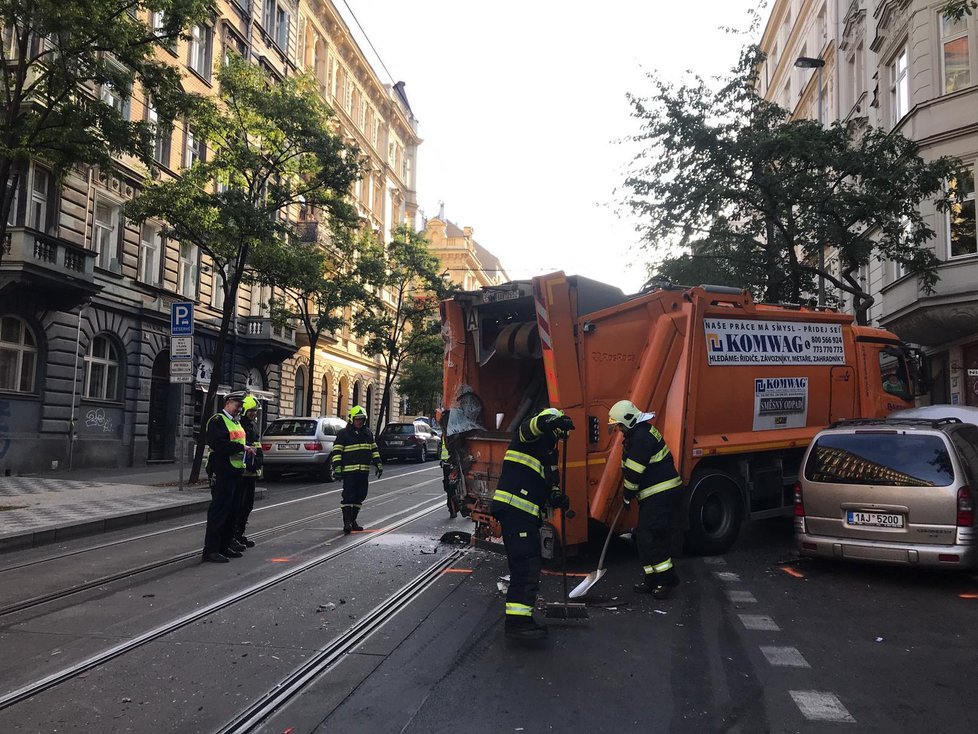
(383,412)
(313,340)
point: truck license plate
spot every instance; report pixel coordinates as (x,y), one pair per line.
(875,519)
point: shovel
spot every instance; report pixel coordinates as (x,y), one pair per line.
(595,576)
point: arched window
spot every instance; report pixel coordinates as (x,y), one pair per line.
(369,401)
(18,355)
(299,395)
(356,394)
(324,395)
(102,369)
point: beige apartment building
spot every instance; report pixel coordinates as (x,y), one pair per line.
(466,263)
(900,65)
(85,294)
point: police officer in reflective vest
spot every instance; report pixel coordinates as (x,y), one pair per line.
(650,476)
(529,480)
(226,439)
(253,466)
(353,451)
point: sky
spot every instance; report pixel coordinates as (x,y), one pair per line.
(522,108)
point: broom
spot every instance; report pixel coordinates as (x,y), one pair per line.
(565,609)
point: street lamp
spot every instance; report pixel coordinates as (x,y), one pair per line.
(807,62)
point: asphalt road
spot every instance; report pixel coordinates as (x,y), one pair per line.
(754,641)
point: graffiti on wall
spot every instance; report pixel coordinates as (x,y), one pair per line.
(96,418)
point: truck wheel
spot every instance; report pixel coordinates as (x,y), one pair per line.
(716,510)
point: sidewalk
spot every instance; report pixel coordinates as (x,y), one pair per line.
(41,509)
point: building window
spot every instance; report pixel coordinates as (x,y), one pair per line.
(107,234)
(260,296)
(324,395)
(162,132)
(299,393)
(217,286)
(194,150)
(961,215)
(40,214)
(187,270)
(201,37)
(18,355)
(102,370)
(150,253)
(899,87)
(955,56)
(275,18)
(116,96)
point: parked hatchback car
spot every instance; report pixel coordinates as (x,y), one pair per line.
(408,441)
(300,444)
(895,491)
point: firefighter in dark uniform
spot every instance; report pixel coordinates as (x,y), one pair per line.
(353,452)
(529,480)
(253,465)
(227,442)
(650,476)
(446,467)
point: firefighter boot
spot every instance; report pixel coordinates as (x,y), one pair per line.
(347,522)
(354,511)
(524,629)
(665,582)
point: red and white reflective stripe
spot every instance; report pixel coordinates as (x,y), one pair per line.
(543,323)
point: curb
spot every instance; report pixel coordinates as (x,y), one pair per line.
(72,530)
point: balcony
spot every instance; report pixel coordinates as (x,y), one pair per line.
(302,338)
(307,231)
(948,314)
(268,341)
(60,273)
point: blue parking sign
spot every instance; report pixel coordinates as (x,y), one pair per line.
(182,319)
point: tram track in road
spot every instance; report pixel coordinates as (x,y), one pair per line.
(296,682)
(199,523)
(420,510)
(54,596)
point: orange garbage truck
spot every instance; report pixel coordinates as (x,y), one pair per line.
(739,389)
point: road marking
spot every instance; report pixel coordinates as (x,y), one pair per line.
(759,622)
(715,560)
(741,597)
(818,706)
(968,596)
(785,656)
(727,576)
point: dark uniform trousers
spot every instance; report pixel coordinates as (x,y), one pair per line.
(245,504)
(653,536)
(220,513)
(354,489)
(521,538)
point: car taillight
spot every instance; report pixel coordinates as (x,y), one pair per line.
(799,501)
(266,447)
(966,508)
(314,446)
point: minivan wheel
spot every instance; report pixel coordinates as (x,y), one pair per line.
(716,511)
(325,474)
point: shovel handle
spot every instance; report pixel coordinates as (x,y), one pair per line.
(611,531)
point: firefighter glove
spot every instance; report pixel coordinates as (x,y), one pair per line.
(562,424)
(379,472)
(559,501)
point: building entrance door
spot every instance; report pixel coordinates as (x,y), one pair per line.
(971,375)
(162,411)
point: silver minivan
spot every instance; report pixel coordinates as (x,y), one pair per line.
(300,444)
(895,491)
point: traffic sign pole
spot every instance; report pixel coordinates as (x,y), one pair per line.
(181,364)
(183,448)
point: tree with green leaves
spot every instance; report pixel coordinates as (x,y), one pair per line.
(731,190)
(317,281)
(68,69)
(271,148)
(957,9)
(395,325)
(422,374)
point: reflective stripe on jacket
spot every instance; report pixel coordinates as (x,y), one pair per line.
(647,464)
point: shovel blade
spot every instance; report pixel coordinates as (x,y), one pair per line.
(585,586)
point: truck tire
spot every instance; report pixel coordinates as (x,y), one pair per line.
(716,510)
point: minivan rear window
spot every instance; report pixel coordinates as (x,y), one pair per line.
(291,428)
(887,459)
